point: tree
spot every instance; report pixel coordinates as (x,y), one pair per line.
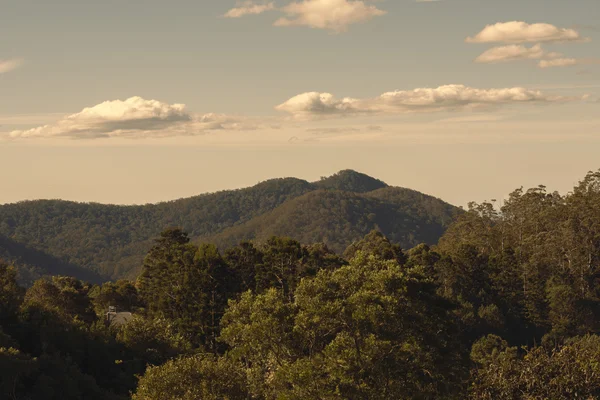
(121,294)
(11,295)
(171,284)
(217,286)
(281,267)
(14,366)
(259,329)
(367,330)
(243,260)
(65,297)
(377,244)
(187,284)
(192,378)
(569,372)
(152,340)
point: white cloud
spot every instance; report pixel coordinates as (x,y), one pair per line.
(249,8)
(520,52)
(512,53)
(444,98)
(476,118)
(559,62)
(522,32)
(9,65)
(135,117)
(332,15)
(332,131)
(567,62)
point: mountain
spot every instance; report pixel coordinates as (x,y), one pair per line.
(351,181)
(33,264)
(339,218)
(111,240)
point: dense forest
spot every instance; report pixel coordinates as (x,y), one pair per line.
(505,306)
(107,242)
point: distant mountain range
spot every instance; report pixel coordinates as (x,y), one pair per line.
(99,242)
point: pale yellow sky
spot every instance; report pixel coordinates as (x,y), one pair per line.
(462,99)
(457,172)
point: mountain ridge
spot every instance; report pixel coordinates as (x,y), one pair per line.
(111,240)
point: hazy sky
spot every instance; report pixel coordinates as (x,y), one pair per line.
(140,101)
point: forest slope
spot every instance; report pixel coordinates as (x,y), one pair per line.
(34,264)
(112,240)
(339,218)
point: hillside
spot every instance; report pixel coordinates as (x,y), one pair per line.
(339,218)
(350,181)
(34,264)
(112,240)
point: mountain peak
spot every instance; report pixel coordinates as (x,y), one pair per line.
(350,181)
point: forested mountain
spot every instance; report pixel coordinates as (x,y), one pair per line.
(112,240)
(338,218)
(34,264)
(350,181)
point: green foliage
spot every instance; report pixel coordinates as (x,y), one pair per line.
(243,260)
(537,259)
(339,218)
(121,294)
(488,349)
(377,244)
(45,378)
(152,340)
(65,298)
(282,265)
(278,319)
(191,378)
(350,181)
(259,331)
(32,264)
(13,366)
(366,330)
(112,240)
(58,329)
(570,372)
(95,242)
(10,293)
(186,284)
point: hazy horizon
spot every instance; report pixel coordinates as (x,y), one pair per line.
(468,184)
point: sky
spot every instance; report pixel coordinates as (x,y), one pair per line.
(141,101)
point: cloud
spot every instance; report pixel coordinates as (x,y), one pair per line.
(332,15)
(519,52)
(134,117)
(472,119)
(513,53)
(559,62)
(568,62)
(595,28)
(332,131)
(343,130)
(249,8)
(444,98)
(522,32)
(9,65)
